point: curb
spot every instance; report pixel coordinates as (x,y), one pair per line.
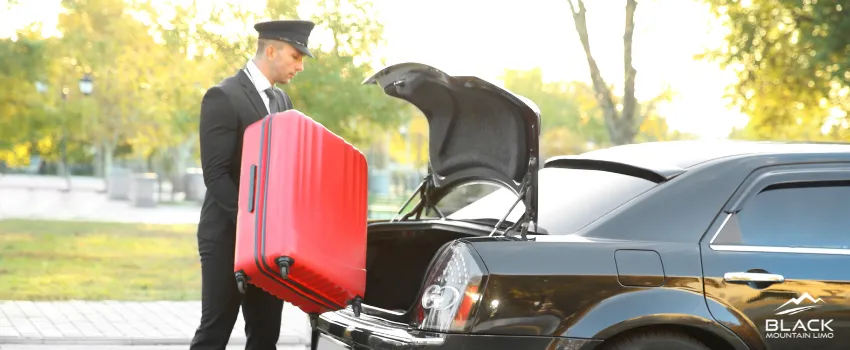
(284,340)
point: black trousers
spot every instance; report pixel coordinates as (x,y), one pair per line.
(220,302)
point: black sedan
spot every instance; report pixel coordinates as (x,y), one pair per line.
(686,245)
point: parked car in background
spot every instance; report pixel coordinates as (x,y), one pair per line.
(686,245)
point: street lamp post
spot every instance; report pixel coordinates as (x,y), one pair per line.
(66,170)
(86,85)
(41,87)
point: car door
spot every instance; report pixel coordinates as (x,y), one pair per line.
(776,262)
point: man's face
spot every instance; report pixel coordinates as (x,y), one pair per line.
(285,62)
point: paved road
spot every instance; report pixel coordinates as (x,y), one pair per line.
(88,206)
(39,197)
(50,182)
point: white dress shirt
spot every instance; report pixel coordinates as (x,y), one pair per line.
(261,83)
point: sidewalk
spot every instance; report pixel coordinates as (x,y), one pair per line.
(123,323)
(111,323)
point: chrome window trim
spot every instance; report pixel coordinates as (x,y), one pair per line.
(768,249)
(791,250)
(719,229)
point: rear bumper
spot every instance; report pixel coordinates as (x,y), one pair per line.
(368,332)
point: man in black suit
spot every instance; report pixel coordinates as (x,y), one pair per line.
(226,110)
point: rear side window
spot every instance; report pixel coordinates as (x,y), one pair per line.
(810,215)
(568,199)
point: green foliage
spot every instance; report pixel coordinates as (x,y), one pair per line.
(570,116)
(355,110)
(572,119)
(25,117)
(151,66)
(792,59)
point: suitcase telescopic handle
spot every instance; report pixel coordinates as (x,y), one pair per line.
(252,186)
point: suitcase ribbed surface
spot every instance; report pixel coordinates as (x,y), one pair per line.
(312,208)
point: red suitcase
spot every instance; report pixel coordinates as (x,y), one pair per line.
(301,224)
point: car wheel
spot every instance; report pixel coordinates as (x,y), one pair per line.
(656,340)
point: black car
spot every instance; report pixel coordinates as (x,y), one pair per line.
(671,245)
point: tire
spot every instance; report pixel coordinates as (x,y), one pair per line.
(656,340)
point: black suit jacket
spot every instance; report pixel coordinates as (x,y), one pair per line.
(226,110)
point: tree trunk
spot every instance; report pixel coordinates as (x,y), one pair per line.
(169,170)
(629,128)
(98,160)
(108,160)
(621,126)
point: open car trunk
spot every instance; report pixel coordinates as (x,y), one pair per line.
(478,132)
(397,259)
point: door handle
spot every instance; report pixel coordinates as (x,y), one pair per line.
(749,277)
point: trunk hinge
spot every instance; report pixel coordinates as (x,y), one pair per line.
(526,194)
(425,191)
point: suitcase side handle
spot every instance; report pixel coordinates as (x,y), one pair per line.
(252,187)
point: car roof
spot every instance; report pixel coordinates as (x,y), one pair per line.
(688,153)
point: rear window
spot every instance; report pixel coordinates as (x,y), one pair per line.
(568,199)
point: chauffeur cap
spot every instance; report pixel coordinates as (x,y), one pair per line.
(294,32)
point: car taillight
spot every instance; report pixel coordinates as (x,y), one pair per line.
(452,290)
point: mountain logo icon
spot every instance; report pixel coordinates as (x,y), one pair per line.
(798,301)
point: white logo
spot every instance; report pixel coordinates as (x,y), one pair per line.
(797,301)
(798,329)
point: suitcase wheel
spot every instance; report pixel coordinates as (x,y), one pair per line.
(241,282)
(285,263)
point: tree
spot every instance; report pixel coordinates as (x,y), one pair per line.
(622,120)
(336,74)
(151,66)
(573,121)
(792,62)
(570,116)
(26,116)
(10,4)
(185,68)
(103,39)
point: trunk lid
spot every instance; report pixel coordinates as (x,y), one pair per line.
(477,132)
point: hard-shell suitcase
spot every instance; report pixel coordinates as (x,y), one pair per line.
(301,222)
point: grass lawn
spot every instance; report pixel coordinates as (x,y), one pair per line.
(61,260)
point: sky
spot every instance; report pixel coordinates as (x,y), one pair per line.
(484,37)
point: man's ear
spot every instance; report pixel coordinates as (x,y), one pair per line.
(270,50)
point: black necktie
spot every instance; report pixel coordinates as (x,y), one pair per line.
(273,105)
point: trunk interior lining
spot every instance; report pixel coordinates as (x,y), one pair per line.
(396,263)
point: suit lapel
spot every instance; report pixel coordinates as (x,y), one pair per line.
(251,92)
(279,100)
(283,100)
